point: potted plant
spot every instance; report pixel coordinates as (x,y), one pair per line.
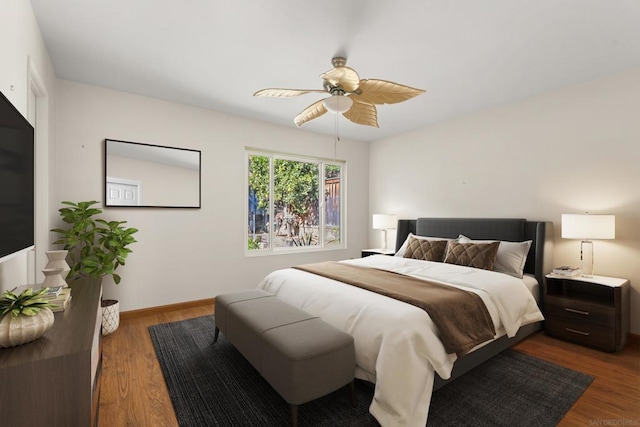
(24,317)
(96,248)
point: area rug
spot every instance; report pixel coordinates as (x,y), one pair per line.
(213,385)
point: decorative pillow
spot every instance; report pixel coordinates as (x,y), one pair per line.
(477,255)
(511,255)
(406,242)
(426,250)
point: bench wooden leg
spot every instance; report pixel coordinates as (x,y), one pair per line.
(294,415)
(215,335)
(352,393)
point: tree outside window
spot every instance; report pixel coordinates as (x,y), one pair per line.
(293,203)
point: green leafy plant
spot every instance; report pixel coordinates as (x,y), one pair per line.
(253,244)
(96,247)
(304,240)
(28,303)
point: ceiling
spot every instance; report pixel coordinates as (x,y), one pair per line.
(469,55)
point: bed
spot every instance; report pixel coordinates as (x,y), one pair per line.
(398,347)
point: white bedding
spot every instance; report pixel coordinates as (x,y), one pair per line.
(397,344)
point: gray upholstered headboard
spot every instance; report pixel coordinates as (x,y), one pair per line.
(507,229)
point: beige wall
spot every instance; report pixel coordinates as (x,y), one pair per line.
(20,41)
(189,254)
(568,151)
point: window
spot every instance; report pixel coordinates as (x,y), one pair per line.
(293,203)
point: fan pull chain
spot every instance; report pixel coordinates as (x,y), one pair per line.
(335,141)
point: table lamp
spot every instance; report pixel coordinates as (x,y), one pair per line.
(587,227)
(384,222)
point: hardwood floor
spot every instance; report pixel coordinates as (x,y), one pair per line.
(133,389)
(613,398)
(134,393)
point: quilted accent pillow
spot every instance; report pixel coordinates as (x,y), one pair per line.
(477,255)
(511,256)
(426,250)
(403,248)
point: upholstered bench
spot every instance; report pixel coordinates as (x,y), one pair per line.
(300,355)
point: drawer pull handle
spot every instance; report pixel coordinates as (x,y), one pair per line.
(577,332)
(573,310)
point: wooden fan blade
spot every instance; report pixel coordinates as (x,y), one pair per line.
(384,92)
(344,77)
(313,111)
(286,93)
(362,113)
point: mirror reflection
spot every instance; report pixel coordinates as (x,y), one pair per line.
(146,175)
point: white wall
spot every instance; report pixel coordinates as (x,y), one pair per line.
(189,254)
(20,40)
(569,151)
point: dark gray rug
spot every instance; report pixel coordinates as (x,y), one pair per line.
(213,385)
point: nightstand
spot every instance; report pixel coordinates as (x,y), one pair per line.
(593,311)
(368,252)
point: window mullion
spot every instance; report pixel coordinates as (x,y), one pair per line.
(321,199)
(272,213)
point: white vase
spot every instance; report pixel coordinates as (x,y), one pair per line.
(58,259)
(24,329)
(53,277)
(110,316)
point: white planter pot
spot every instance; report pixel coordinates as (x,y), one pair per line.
(24,329)
(110,316)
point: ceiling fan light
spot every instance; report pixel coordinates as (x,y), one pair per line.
(338,103)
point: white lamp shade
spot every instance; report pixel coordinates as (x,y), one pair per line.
(338,103)
(586,226)
(384,221)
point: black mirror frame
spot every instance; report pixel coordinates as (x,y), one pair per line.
(105,175)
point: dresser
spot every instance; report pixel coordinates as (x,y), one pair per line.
(593,311)
(55,380)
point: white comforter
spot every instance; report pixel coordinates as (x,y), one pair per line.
(397,344)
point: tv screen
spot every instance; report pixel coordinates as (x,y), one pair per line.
(16,180)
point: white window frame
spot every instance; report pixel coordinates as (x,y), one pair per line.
(321,246)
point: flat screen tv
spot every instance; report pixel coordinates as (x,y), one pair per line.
(16,180)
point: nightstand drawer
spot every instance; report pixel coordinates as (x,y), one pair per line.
(579,310)
(582,333)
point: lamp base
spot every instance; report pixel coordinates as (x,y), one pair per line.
(586,258)
(384,240)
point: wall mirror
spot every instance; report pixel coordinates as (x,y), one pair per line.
(146,175)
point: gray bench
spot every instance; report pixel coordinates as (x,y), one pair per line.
(301,356)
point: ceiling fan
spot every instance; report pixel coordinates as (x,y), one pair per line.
(356,99)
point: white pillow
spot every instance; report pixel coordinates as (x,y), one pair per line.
(403,248)
(511,256)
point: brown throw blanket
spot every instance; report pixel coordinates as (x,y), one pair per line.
(461,316)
